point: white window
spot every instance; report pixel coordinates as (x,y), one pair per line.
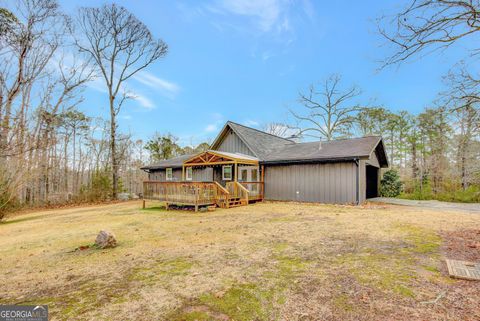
(227,173)
(169,174)
(188,173)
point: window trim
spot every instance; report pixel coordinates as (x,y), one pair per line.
(187,170)
(223,172)
(167,170)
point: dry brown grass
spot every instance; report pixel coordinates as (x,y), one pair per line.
(268,261)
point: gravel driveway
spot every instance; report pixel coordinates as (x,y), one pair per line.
(469,207)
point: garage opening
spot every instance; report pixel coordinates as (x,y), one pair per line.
(372,181)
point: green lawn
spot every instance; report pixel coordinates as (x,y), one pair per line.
(268,261)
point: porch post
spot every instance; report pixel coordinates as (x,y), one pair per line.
(183,172)
(262,186)
(236,170)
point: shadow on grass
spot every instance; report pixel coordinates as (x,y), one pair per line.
(154,209)
(24,219)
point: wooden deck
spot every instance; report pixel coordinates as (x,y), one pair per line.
(199,194)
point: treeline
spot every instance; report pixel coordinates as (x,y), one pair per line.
(437,152)
(166,146)
(443,142)
(50,151)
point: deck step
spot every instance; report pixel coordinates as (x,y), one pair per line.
(232,202)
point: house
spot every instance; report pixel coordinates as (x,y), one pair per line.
(245,164)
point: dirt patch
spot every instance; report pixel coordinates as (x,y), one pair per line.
(462,245)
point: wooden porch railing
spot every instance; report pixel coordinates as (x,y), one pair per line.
(237,190)
(255,189)
(189,193)
(203,193)
(222,196)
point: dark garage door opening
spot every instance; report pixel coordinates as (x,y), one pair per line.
(372,181)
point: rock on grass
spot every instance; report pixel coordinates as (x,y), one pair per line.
(105,239)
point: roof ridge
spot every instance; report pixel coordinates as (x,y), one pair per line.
(340,139)
(258,130)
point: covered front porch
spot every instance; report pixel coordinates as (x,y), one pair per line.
(211,178)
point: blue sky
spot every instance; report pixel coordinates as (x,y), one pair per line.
(246,61)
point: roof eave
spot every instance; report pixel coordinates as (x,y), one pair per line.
(380,140)
(313,160)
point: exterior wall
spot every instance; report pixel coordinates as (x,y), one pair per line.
(203,174)
(159,175)
(217,175)
(362,170)
(231,143)
(325,183)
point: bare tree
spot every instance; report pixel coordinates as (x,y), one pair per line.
(33,35)
(429,24)
(329,111)
(463,89)
(120,46)
(280,130)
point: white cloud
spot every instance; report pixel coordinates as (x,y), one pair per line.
(267,16)
(217,122)
(211,128)
(165,87)
(308,8)
(266,12)
(143,101)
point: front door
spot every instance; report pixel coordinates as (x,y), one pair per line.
(249,174)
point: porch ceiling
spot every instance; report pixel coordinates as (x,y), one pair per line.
(211,157)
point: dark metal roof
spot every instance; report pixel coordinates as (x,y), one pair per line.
(175,162)
(271,149)
(260,143)
(329,150)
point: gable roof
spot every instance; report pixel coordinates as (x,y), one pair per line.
(271,149)
(215,156)
(177,162)
(260,143)
(340,149)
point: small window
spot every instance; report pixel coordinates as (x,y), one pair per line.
(169,174)
(254,175)
(243,175)
(227,173)
(189,173)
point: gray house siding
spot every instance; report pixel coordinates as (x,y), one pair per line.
(203,174)
(159,175)
(231,143)
(362,180)
(324,183)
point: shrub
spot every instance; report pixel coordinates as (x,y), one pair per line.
(99,188)
(390,185)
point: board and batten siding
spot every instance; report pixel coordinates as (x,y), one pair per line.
(324,183)
(231,143)
(203,174)
(160,175)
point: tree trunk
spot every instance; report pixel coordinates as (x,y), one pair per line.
(414,160)
(113,129)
